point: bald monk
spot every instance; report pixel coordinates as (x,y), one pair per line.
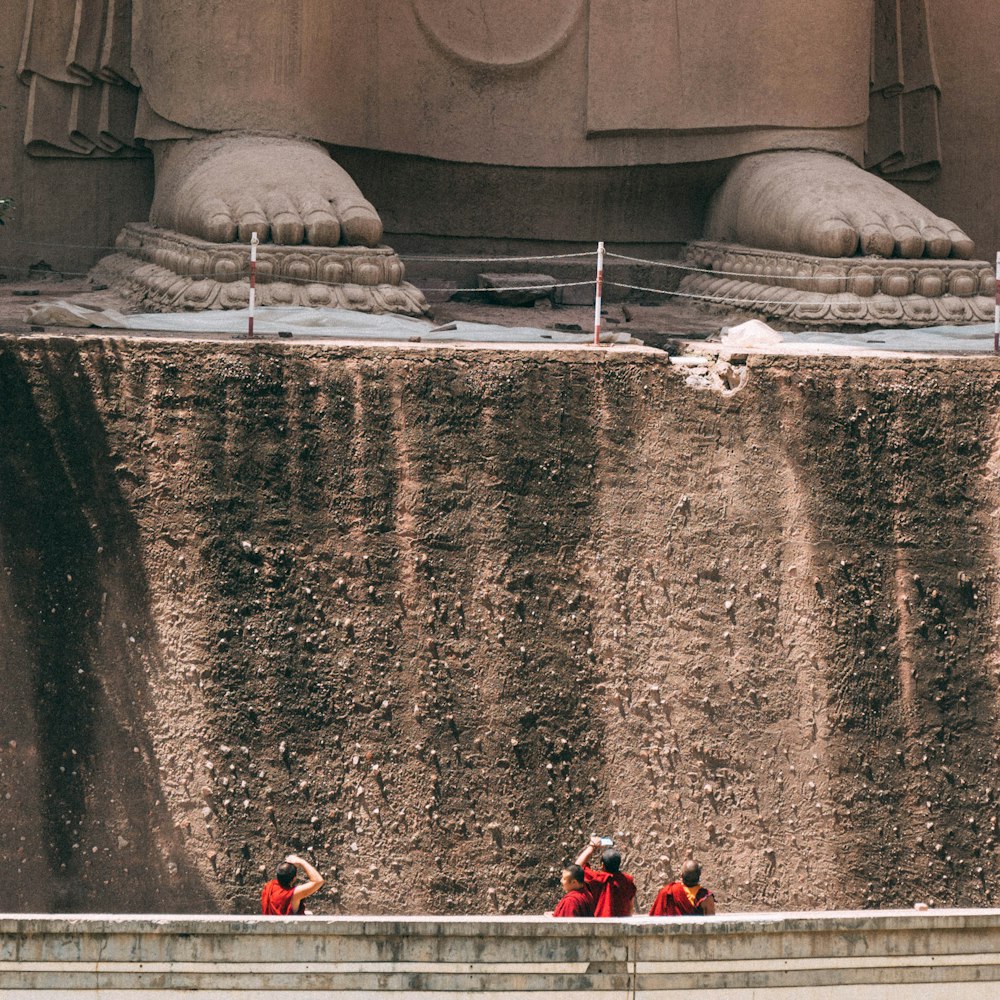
(517,118)
(686,898)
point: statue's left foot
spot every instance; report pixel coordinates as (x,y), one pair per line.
(224,187)
(821,204)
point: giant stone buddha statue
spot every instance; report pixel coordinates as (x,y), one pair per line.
(632,120)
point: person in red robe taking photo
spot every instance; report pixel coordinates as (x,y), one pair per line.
(578,901)
(687,898)
(280,897)
(613,890)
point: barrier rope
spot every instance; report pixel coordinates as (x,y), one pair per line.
(518,288)
(245,274)
(417,258)
(717,299)
(721,299)
(674,265)
(447,259)
(736,300)
(68,246)
(41,274)
(492,260)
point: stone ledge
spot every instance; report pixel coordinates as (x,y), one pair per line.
(900,954)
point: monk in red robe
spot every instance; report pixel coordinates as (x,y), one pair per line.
(281,897)
(687,898)
(612,889)
(578,901)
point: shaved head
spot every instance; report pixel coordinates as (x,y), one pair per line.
(285,874)
(691,873)
(572,878)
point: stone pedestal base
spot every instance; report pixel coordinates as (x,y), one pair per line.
(850,291)
(159,270)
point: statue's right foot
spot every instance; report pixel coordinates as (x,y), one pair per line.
(288,191)
(818,203)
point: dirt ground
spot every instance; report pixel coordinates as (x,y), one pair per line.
(434,616)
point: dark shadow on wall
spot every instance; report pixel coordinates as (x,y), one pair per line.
(80,599)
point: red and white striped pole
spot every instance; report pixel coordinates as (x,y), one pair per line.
(996,313)
(599,293)
(253,283)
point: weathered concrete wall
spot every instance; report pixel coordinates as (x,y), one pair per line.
(952,955)
(437,615)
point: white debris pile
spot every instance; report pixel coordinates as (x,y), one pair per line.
(718,374)
(753,334)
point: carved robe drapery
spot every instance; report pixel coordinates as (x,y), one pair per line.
(550,83)
(518,82)
(76,61)
(904,134)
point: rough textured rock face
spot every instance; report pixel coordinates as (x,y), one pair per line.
(437,616)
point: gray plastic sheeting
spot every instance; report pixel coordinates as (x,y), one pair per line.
(340,324)
(950,339)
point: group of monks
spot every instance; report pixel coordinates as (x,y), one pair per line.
(604,892)
(610,892)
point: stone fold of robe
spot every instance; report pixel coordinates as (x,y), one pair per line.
(543,83)
(76,63)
